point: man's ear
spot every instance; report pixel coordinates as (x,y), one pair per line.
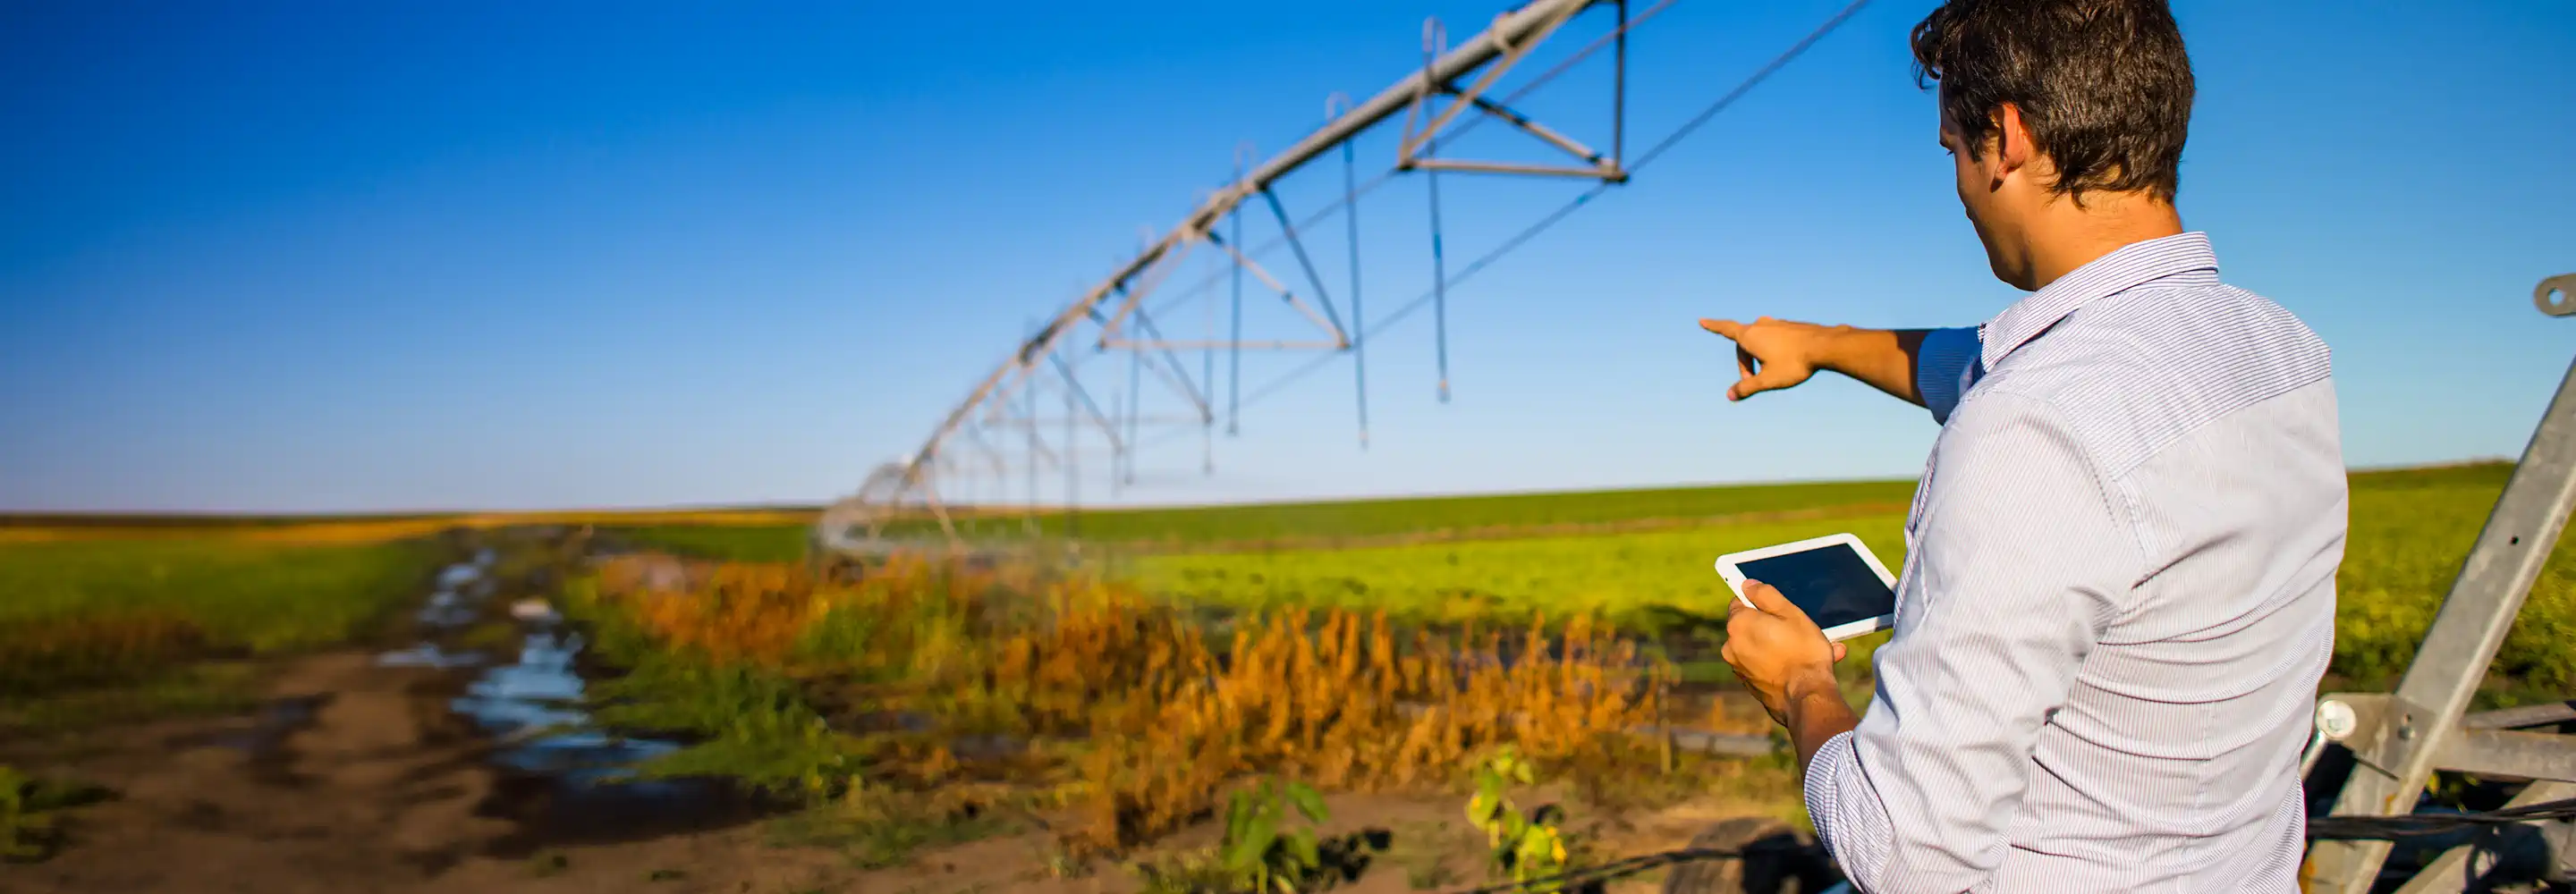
(2013,149)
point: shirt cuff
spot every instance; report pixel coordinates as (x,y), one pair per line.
(1944,365)
(1849,819)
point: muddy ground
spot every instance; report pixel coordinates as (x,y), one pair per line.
(358,777)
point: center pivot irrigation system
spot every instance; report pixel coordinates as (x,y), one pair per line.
(2371,755)
(1001,436)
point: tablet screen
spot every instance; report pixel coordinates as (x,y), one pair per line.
(1832,584)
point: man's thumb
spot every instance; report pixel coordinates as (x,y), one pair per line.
(1770,377)
(1768,598)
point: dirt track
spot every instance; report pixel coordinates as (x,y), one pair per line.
(357,777)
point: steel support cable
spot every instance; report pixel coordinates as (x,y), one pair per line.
(1352,197)
(1359,312)
(1648,157)
(1350,200)
(1561,213)
(1435,40)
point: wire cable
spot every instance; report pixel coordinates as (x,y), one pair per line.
(1352,195)
(2417,824)
(1560,214)
(1656,151)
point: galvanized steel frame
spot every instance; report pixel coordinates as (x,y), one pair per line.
(2398,740)
(1118,301)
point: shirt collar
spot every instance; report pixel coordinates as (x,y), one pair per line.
(2129,266)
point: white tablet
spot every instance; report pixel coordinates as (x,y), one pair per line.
(1832,578)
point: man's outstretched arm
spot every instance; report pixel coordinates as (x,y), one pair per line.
(1926,367)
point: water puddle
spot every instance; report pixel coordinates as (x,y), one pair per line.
(563,782)
(532,707)
(462,589)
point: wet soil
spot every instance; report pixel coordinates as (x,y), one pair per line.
(433,768)
(424,768)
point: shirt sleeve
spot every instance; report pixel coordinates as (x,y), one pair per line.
(2020,560)
(1947,362)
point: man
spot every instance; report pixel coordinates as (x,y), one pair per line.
(2118,592)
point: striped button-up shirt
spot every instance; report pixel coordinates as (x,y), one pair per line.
(2118,596)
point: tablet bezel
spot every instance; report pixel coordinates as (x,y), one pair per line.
(1728,568)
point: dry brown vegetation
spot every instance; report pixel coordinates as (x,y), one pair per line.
(1126,707)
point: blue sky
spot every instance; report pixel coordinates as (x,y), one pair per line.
(296,257)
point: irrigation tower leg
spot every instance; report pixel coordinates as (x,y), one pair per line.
(2396,752)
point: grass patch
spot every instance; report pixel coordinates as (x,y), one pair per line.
(255,595)
(1420,515)
(1623,577)
(103,629)
(1328,523)
(743,723)
(2411,530)
(222,687)
(737,543)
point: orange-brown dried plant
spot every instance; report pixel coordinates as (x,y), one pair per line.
(1168,714)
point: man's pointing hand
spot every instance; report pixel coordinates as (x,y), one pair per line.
(1770,354)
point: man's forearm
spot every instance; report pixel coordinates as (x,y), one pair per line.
(1883,358)
(1816,714)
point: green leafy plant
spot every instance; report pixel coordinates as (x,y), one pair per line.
(1256,846)
(1522,846)
(783,752)
(743,723)
(1269,858)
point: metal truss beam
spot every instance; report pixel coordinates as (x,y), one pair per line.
(1115,304)
(2398,740)
(1414,152)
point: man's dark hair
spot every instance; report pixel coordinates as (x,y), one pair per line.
(2103,85)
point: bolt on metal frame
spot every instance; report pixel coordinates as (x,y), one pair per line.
(1113,315)
(2398,740)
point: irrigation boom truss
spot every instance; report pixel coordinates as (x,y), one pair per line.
(1112,314)
(1453,91)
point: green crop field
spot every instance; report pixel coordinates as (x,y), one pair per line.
(1329,524)
(1621,576)
(261,596)
(114,625)
(741,543)
(2410,531)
